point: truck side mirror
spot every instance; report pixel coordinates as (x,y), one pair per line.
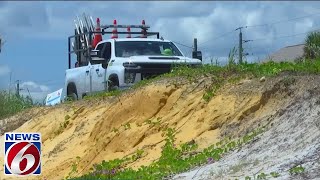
(95,53)
(96,57)
(197,55)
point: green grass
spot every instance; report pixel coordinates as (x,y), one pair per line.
(296,170)
(12,104)
(275,174)
(220,75)
(234,72)
(246,69)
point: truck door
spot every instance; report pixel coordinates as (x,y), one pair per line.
(98,71)
(98,80)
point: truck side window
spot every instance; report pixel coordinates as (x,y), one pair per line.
(106,51)
(100,46)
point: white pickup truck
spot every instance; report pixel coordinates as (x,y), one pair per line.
(121,62)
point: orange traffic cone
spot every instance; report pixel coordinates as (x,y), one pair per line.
(97,36)
(143,31)
(114,30)
(129,32)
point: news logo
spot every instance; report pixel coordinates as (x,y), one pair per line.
(22,154)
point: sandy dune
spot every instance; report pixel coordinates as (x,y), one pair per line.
(90,133)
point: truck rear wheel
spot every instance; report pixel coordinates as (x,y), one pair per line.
(113,83)
(73,97)
(72,92)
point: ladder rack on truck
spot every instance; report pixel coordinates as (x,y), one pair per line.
(81,42)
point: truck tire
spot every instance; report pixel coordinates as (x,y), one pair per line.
(113,83)
(72,92)
(73,96)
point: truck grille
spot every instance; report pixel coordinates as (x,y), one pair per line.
(149,70)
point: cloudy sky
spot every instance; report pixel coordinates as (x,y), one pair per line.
(35,33)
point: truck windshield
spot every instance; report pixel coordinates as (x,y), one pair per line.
(145,48)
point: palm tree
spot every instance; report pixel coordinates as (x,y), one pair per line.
(312,45)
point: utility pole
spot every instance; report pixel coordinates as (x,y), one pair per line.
(1,43)
(240,44)
(240,47)
(18,88)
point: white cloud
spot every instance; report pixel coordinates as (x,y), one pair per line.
(34,87)
(303,26)
(38,92)
(253,17)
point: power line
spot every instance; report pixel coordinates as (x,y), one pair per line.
(219,47)
(183,45)
(278,37)
(277,22)
(222,35)
(286,36)
(29,93)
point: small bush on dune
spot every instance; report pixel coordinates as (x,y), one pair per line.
(12,104)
